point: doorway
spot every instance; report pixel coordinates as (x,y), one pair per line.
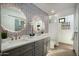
(61,36)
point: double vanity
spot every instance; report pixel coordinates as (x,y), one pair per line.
(14,21)
(26,46)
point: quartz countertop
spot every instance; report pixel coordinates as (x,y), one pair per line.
(8,44)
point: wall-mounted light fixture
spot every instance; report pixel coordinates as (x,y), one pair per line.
(61,20)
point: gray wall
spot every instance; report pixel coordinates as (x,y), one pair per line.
(30,10)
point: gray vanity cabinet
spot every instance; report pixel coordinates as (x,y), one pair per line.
(38,48)
(24,50)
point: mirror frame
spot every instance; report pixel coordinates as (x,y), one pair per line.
(15,8)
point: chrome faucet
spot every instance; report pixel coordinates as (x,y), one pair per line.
(16,36)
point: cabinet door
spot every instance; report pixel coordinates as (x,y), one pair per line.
(39,48)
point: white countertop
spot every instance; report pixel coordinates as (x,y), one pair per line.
(8,44)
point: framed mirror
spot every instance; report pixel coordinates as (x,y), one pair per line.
(37,24)
(12,19)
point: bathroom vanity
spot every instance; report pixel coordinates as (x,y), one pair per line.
(14,21)
(34,46)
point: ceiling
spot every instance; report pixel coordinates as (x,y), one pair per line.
(56,7)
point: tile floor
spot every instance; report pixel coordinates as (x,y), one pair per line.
(62,50)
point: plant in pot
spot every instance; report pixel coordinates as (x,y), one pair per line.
(4,34)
